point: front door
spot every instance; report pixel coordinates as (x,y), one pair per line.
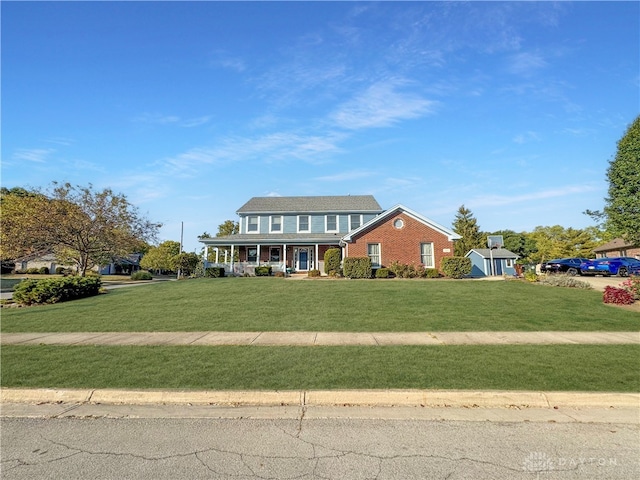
(303,259)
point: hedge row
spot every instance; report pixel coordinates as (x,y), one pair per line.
(54,290)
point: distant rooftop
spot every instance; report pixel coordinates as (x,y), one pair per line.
(336,203)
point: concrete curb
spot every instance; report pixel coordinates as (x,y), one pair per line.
(368,398)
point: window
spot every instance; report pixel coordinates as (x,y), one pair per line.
(252,224)
(509,263)
(252,254)
(373,250)
(355,221)
(331,223)
(303,223)
(426,255)
(275,226)
(274,254)
(398,223)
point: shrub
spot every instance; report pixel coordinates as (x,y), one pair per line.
(431,273)
(214,272)
(530,276)
(32,271)
(564,280)
(279,274)
(43,270)
(456,267)
(618,296)
(53,290)
(314,273)
(332,260)
(263,271)
(632,285)
(357,267)
(382,273)
(141,275)
(59,270)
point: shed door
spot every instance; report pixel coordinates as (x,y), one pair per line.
(497,267)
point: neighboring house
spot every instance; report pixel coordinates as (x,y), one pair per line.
(617,248)
(295,232)
(37,260)
(122,265)
(487,262)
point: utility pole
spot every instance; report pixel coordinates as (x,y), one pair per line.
(181,239)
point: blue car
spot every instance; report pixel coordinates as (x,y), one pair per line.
(622,266)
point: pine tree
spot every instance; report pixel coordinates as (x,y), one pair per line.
(467,227)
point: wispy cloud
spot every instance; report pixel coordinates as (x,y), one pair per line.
(381,105)
(345,176)
(526,63)
(277,146)
(526,137)
(502,200)
(225,60)
(160,119)
(37,155)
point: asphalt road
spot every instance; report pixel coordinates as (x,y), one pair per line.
(318,448)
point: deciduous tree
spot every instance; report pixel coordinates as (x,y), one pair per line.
(78,224)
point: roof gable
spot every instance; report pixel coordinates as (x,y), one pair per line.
(311,204)
(450,234)
(492,253)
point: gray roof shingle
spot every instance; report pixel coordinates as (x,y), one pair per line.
(311,204)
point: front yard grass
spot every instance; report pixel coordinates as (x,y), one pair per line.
(612,368)
(276,304)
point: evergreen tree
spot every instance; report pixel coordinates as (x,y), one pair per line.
(467,227)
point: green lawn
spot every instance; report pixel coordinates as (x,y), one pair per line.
(611,368)
(275,304)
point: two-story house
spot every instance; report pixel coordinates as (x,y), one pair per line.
(295,232)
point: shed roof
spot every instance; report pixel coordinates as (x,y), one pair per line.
(336,203)
(496,253)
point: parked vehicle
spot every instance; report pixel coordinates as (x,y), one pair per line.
(570,266)
(622,266)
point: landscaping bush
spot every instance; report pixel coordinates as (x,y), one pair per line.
(455,267)
(43,270)
(141,275)
(431,273)
(279,274)
(59,270)
(564,280)
(632,285)
(54,290)
(214,272)
(263,271)
(382,273)
(332,260)
(618,296)
(357,267)
(314,273)
(530,276)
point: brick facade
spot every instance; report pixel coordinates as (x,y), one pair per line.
(401,244)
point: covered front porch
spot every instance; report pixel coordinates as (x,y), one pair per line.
(241,257)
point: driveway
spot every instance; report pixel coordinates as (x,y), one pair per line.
(599,282)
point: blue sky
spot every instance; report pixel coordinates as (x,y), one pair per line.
(190,108)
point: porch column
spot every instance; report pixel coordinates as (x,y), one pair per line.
(258,254)
(284,257)
(206,255)
(316,264)
(232,248)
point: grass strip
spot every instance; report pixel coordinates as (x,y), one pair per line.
(511,367)
(276,304)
